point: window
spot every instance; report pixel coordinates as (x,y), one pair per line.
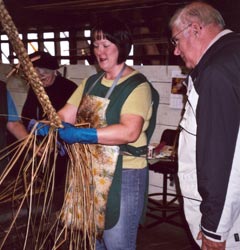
(64,47)
(49,44)
(130,61)
(72,47)
(32,42)
(5,52)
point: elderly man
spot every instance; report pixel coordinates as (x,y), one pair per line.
(58,89)
(209,143)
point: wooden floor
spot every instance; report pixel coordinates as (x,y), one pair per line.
(160,237)
(165,237)
(165,227)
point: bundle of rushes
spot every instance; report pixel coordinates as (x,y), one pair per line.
(34,186)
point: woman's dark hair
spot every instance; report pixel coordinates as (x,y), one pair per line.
(116,32)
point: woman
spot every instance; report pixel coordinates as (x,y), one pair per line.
(128,111)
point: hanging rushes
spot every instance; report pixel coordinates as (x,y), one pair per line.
(27,66)
(33,186)
(32,191)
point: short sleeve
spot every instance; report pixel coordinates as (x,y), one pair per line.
(12,111)
(139,101)
(77,94)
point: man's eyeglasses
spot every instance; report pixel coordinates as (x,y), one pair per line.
(174,39)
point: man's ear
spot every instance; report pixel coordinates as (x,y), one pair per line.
(196,28)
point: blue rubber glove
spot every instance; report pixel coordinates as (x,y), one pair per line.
(71,134)
(41,128)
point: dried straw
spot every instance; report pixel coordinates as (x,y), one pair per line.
(38,194)
(78,213)
(31,190)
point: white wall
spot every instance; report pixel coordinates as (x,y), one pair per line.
(160,76)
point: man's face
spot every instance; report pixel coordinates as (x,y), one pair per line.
(184,44)
(47,76)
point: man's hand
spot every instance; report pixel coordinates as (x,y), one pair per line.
(209,244)
(41,129)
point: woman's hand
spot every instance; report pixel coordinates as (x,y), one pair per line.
(71,134)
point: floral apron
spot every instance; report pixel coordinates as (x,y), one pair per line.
(92,112)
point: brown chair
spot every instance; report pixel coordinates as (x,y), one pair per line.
(165,210)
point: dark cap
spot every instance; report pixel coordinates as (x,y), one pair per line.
(43,59)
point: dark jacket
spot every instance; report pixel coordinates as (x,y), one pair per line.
(58,93)
(217,82)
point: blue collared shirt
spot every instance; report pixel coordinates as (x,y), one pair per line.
(12,110)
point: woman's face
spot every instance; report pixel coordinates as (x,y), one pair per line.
(106,53)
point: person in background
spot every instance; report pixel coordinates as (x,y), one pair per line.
(9,121)
(209,143)
(128,118)
(58,89)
